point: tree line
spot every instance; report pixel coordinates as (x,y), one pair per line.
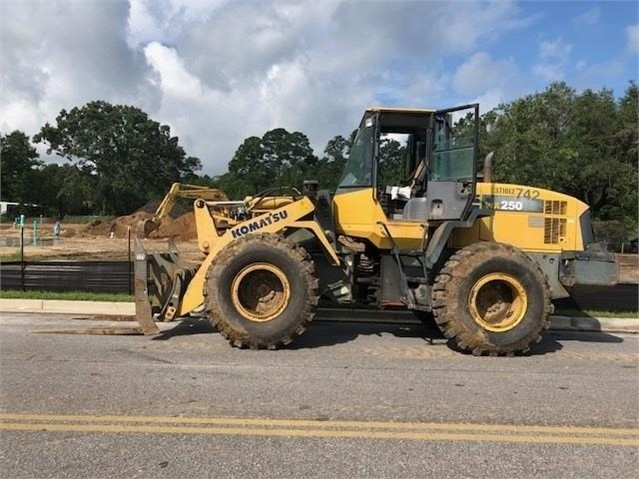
(580,143)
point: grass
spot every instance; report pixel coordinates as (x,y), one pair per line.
(578,313)
(67,295)
(15,256)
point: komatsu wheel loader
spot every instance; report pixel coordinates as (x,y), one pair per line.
(484,259)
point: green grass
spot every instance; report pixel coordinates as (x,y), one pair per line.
(578,313)
(15,256)
(67,295)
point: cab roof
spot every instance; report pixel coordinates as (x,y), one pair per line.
(383,109)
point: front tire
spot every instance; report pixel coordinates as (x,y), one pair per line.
(491,298)
(261,291)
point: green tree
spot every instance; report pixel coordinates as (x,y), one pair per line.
(288,154)
(19,161)
(331,165)
(392,163)
(133,158)
(248,172)
(65,190)
(581,144)
(279,158)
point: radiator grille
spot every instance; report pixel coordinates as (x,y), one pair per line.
(554,227)
(554,230)
(555,207)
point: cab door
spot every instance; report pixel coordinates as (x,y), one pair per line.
(452,164)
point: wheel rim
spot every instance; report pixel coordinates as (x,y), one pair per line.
(498,302)
(260,292)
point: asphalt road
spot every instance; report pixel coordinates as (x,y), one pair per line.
(347,400)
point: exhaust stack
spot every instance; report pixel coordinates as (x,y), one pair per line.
(488,167)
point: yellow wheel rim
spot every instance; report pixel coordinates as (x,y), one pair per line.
(498,302)
(260,292)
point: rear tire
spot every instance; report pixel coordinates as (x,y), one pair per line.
(261,291)
(491,298)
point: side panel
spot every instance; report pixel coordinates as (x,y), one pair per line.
(532,219)
(359,215)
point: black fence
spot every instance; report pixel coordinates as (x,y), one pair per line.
(93,276)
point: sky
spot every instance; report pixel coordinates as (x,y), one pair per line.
(220,71)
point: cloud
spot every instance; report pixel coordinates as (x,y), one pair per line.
(589,74)
(632,38)
(481,73)
(48,65)
(311,67)
(552,59)
(165,20)
(218,72)
(588,18)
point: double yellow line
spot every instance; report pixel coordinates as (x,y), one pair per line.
(332,429)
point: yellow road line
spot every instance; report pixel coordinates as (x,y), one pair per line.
(317,423)
(319,433)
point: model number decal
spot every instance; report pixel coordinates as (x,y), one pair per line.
(509,203)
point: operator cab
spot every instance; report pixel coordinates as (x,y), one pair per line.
(418,165)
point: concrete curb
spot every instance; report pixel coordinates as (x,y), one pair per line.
(97,308)
(106,308)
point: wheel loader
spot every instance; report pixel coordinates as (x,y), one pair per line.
(483,259)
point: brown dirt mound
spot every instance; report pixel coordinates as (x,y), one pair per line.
(179,228)
(119,226)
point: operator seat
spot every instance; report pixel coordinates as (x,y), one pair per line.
(416,178)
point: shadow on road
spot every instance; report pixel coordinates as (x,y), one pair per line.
(326,333)
(551,341)
(187,327)
(322,333)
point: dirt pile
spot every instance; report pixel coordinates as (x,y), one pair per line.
(181,228)
(180,225)
(118,226)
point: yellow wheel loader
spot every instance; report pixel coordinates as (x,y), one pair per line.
(483,259)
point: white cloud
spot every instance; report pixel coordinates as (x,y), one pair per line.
(59,55)
(480,73)
(165,20)
(552,59)
(588,18)
(632,39)
(490,99)
(589,74)
(218,72)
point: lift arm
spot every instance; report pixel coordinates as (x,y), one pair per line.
(178,190)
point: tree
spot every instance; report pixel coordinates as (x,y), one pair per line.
(18,164)
(581,144)
(279,158)
(65,190)
(133,158)
(392,163)
(331,165)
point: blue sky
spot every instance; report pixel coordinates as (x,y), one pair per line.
(595,33)
(220,71)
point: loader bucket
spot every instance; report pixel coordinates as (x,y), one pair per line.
(145,227)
